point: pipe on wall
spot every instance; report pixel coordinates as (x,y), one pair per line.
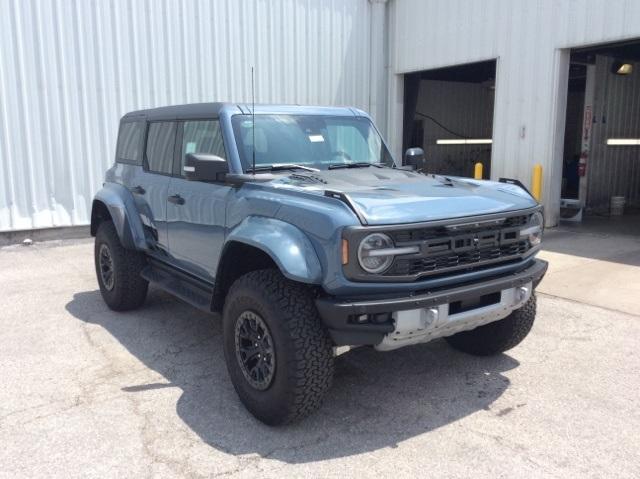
(378,63)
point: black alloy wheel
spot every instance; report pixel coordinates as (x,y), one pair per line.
(254,350)
(106,267)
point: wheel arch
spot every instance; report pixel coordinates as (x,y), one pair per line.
(264,243)
(115,203)
(99,213)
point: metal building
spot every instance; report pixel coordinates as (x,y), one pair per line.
(533,43)
(522,76)
(69,69)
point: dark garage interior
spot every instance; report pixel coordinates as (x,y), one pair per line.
(601,160)
(449,113)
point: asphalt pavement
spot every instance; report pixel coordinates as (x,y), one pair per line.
(86,392)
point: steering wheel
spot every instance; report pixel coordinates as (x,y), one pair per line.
(342,154)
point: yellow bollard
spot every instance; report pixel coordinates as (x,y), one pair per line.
(477,172)
(536,182)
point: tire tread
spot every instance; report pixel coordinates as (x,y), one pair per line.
(130,290)
(310,365)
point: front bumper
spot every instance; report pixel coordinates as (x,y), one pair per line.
(339,314)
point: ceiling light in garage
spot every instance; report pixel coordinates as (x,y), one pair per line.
(621,68)
(465,141)
(623,141)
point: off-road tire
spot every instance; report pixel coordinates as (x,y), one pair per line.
(499,336)
(129,288)
(303,349)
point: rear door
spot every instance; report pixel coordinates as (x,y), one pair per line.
(149,184)
(196,211)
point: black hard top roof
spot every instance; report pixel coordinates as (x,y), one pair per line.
(177,112)
(202,111)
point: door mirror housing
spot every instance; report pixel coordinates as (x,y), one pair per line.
(414,157)
(204,167)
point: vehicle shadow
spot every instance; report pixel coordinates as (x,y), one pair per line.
(377,401)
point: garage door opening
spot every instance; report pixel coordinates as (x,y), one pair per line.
(601,160)
(449,114)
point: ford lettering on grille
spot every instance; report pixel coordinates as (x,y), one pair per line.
(461,247)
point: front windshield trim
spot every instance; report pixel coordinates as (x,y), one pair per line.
(309,141)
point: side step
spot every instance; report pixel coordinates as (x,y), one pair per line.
(188,288)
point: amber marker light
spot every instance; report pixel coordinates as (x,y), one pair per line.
(345,251)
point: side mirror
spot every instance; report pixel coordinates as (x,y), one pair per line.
(414,157)
(204,167)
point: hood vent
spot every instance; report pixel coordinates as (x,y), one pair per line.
(381,177)
(308,178)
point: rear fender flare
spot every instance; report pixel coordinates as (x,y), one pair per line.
(119,202)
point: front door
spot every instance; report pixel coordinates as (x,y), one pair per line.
(196,211)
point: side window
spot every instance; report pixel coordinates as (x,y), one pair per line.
(129,148)
(202,136)
(160,143)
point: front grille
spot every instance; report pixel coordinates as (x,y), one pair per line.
(459,246)
(516,221)
(422,234)
(411,267)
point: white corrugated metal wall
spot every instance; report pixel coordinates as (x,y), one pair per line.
(529,39)
(70,68)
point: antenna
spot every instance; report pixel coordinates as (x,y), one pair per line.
(253,123)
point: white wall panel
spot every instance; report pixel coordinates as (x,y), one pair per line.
(70,68)
(529,39)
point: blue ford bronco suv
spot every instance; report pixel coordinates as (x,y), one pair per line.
(296,224)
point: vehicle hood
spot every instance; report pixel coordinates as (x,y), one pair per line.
(385,196)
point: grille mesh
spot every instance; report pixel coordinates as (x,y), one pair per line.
(422,234)
(472,245)
(412,267)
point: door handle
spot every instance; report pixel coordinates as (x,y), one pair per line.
(139,190)
(176,199)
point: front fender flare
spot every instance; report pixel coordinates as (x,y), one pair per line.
(287,245)
(124,214)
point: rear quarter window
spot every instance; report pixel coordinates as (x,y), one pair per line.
(160,144)
(129,148)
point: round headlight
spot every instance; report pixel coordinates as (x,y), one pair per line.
(535,227)
(370,257)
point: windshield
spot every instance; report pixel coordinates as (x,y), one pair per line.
(312,141)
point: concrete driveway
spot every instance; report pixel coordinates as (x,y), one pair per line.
(90,393)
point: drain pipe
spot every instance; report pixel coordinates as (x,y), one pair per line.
(378,49)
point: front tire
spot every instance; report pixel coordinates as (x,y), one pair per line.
(499,336)
(278,353)
(118,270)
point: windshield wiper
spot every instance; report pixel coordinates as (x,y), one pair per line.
(280,166)
(357,164)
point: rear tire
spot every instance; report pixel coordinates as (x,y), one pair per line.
(499,336)
(118,270)
(281,317)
